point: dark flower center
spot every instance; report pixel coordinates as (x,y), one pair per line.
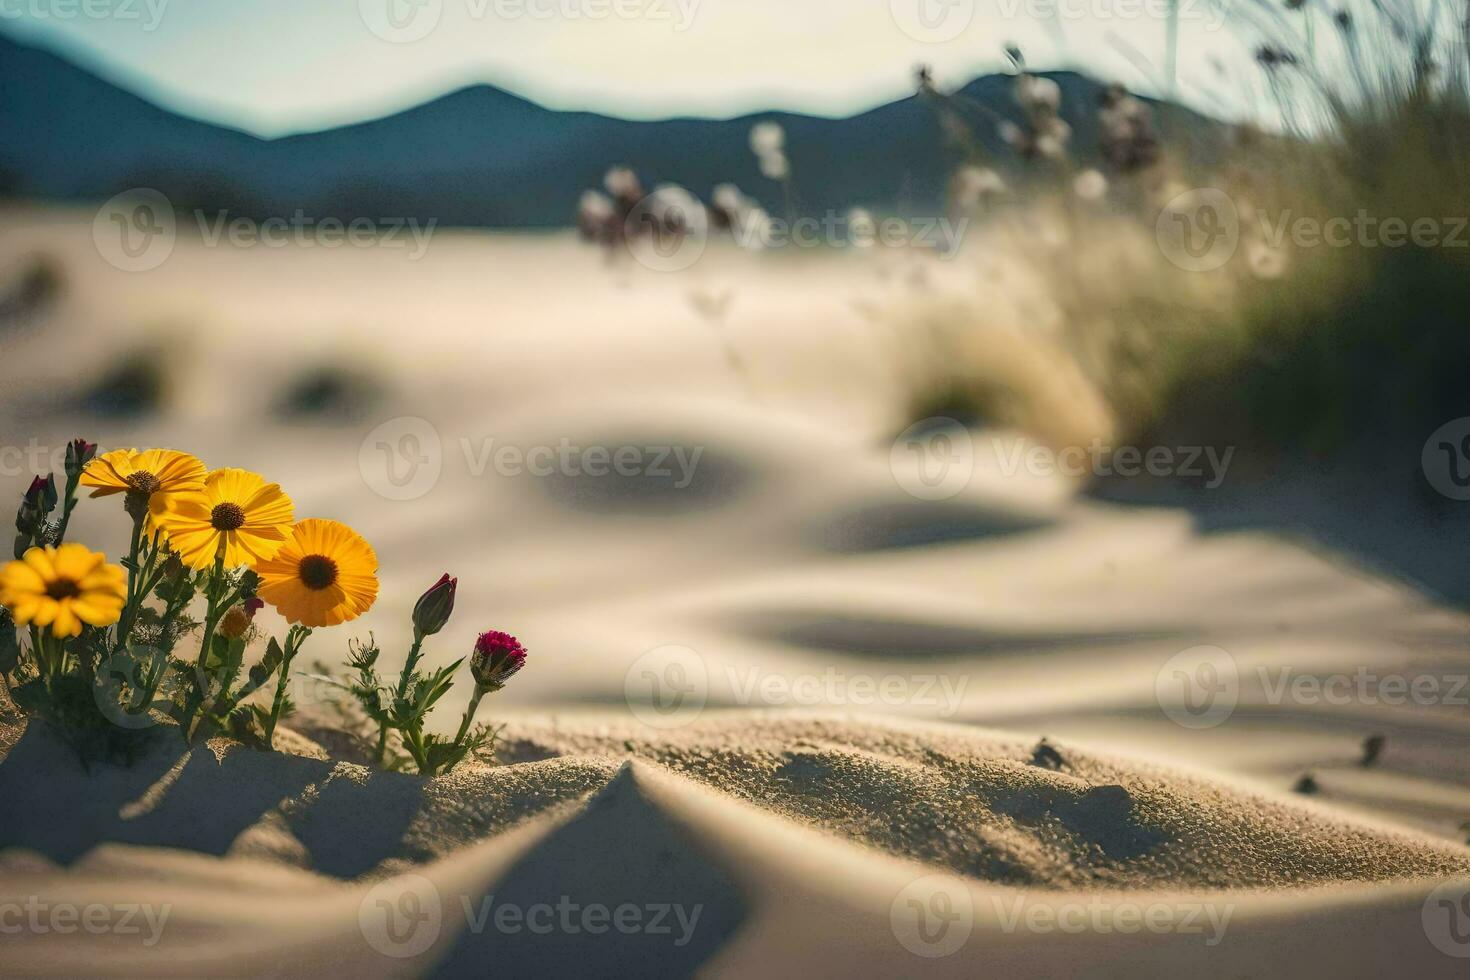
(144,482)
(317,572)
(227,517)
(63,588)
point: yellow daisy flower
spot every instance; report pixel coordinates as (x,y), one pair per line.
(251,517)
(325,575)
(158,475)
(63,588)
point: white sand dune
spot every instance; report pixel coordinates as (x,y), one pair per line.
(850,831)
(863,818)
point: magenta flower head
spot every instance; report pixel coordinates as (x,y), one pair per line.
(434,607)
(497,656)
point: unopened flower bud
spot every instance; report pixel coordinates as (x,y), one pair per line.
(79,453)
(237,620)
(30,518)
(42,495)
(434,607)
(496,658)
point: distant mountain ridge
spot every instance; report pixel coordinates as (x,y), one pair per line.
(479,156)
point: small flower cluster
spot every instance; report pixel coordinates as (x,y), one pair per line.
(768,143)
(400,712)
(1125,131)
(667,214)
(626,211)
(104,636)
(1043,134)
(973,188)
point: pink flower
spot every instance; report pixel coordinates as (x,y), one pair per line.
(496,658)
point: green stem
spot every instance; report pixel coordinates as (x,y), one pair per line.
(294,640)
(213,614)
(147,581)
(38,651)
(413,739)
(125,623)
(219,604)
(469,714)
(412,661)
(67,507)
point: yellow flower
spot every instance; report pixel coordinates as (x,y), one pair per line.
(157,475)
(251,517)
(63,588)
(325,575)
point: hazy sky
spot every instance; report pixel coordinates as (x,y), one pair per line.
(276,66)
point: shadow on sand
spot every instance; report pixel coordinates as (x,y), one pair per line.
(192,800)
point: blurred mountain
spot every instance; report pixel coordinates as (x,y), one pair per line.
(477,156)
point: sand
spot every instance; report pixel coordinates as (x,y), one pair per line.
(820,822)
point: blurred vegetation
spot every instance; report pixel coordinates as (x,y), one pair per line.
(1367,342)
(135,384)
(331,393)
(1290,346)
